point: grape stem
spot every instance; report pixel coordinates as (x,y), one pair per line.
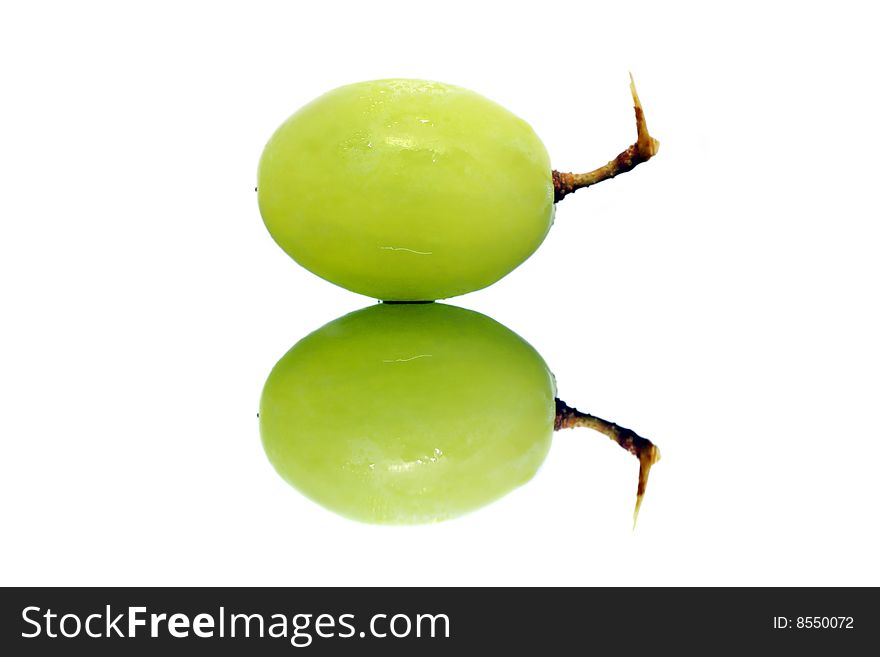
(643,150)
(643,449)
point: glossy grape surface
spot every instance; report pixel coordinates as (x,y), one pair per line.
(406,189)
(408,413)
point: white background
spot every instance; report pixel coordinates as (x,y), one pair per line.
(721,299)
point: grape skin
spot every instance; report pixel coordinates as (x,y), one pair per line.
(408,414)
(406,189)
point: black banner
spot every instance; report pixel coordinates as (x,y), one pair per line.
(113,621)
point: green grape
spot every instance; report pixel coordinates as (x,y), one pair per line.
(408,413)
(417,413)
(411,190)
(406,189)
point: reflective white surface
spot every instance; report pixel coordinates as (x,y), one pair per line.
(720,300)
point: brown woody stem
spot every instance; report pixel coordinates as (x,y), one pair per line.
(643,150)
(642,448)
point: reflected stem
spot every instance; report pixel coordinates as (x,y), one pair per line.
(643,449)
